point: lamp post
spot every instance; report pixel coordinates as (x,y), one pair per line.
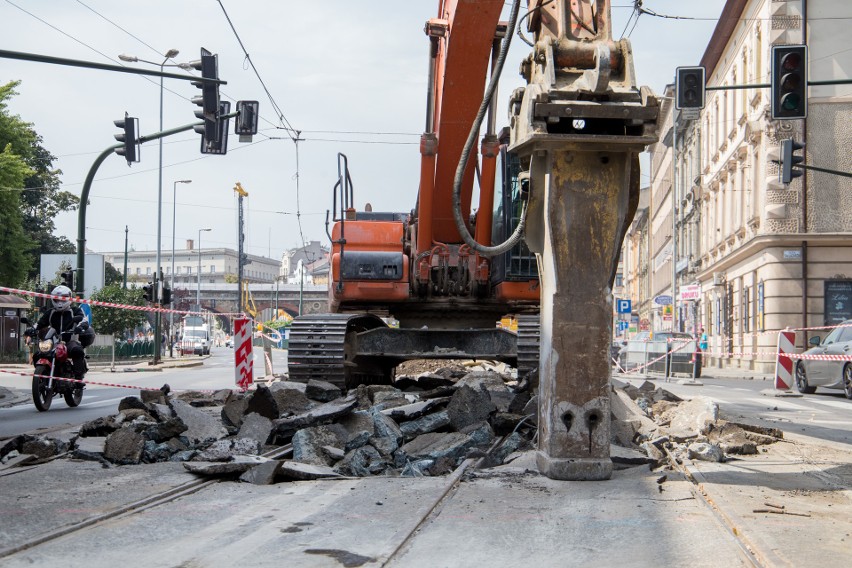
(130,58)
(198,295)
(172,279)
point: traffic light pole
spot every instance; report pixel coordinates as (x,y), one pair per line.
(87,186)
(823,170)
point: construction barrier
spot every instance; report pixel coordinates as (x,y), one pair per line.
(243,359)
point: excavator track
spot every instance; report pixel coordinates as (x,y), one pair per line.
(529,340)
(323,347)
(317,348)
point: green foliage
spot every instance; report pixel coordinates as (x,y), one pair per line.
(112,275)
(40,200)
(276,324)
(15,262)
(115,321)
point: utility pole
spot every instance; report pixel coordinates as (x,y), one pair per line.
(126,230)
(241,257)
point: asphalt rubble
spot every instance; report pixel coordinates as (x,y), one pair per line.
(426,424)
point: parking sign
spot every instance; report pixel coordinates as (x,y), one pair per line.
(622,306)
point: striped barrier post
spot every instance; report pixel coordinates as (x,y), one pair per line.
(783,361)
(243,354)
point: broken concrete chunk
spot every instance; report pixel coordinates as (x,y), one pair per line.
(453,445)
(304,472)
(308,443)
(287,385)
(480,434)
(653,452)
(201,426)
(89,447)
(234,411)
(239,465)
(362,462)
(42,447)
(291,401)
(414,410)
(228,450)
(333,452)
(359,429)
(263,402)
(152,397)
(387,435)
(129,402)
(705,452)
(124,446)
(628,456)
(429,381)
(262,474)
(469,406)
(322,414)
(425,424)
(164,430)
(256,427)
(322,391)
(693,418)
(99,427)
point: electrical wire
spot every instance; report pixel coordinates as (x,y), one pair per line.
(287,126)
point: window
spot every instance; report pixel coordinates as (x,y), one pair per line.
(138,271)
(746,308)
(189,270)
(212,269)
(148,270)
(619,280)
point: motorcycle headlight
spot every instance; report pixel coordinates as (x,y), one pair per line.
(45,345)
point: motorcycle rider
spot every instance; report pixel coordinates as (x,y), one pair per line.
(62,318)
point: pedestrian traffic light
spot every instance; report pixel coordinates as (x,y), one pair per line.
(789,82)
(148,292)
(67,278)
(130,130)
(246,123)
(220,145)
(690,87)
(789,160)
(209,99)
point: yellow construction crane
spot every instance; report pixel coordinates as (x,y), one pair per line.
(248,302)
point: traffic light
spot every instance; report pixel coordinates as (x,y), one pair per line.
(789,82)
(148,292)
(166,296)
(246,123)
(220,145)
(67,278)
(209,99)
(130,127)
(789,159)
(689,84)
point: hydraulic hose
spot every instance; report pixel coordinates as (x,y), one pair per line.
(468,147)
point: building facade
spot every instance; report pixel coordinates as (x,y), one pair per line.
(216,265)
(762,256)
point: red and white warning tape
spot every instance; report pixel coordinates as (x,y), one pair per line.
(82,382)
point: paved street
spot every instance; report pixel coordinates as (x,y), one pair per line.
(208,373)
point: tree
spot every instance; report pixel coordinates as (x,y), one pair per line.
(112,275)
(15,261)
(40,199)
(115,321)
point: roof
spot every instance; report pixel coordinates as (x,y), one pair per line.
(722,34)
(10,301)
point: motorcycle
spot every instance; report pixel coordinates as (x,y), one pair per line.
(52,364)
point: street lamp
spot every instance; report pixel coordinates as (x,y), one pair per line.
(133,59)
(198,296)
(174,225)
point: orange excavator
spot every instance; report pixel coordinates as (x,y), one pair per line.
(556,192)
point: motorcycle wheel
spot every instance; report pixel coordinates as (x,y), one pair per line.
(74,396)
(42,396)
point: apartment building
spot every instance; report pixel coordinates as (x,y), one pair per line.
(754,257)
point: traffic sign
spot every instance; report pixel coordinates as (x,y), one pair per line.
(622,306)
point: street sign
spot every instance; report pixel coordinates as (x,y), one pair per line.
(622,306)
(663,300)
(690,292)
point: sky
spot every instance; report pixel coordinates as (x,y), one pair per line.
(349,75)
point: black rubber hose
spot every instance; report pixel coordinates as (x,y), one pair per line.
(516,236)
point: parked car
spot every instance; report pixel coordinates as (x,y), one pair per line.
(646,347)
(813,373)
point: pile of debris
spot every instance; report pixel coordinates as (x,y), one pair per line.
(423,425)
(663,425)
